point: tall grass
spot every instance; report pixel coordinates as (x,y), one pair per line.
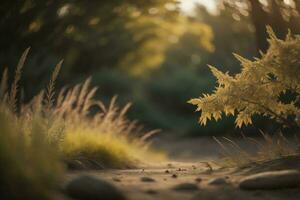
(30,167)
(267,147)
(54,127)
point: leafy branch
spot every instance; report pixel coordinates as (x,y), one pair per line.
(258,88)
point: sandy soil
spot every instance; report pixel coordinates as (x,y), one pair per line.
(191,164)
(129,181)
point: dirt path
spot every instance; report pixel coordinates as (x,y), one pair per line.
(192,181)
(161,181)
(195,177)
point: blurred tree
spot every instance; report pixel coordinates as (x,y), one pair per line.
(151,53)
(192,49)
(279,14)
(119,33)
(89,35)
(232,33)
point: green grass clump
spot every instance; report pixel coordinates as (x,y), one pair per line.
(106,137)
(105,149)
(36,137)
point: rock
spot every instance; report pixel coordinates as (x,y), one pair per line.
(271,180)
(147,179)
(116,179)
(151,192)
(284,163)
(198,180)
(87,187)
(186,187)
(74,165)
(217,181)
(174,176)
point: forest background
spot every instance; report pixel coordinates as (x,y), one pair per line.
(153,53)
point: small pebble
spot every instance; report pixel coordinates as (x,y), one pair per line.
(174,176)
(186,187)
(116,179)
(198,180)
(217,181)
(151,191)
(147,179)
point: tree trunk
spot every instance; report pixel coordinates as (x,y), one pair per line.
(260,20)
(278,23)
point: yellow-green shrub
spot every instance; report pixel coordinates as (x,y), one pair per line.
(259,88)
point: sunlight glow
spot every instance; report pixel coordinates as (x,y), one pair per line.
(187,6)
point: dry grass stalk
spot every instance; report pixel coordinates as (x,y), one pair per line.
(50,91)
(66,119)
(15,85)
(271,147)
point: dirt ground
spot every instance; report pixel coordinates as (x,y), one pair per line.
(189,175)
